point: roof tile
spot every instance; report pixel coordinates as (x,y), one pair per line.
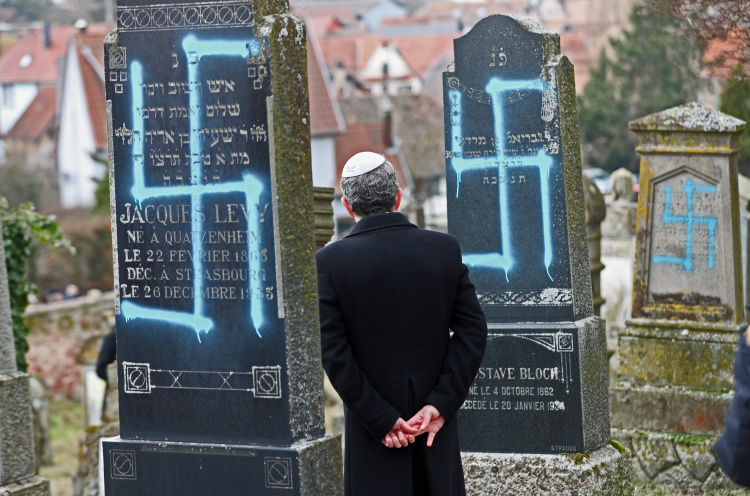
(37,118)
(44,67)
(364,137)
(325,116)
(94,96)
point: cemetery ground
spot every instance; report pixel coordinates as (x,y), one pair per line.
(66,427)
(66,423)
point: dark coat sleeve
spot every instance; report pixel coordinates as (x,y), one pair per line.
(466,348)
(359,396)
(107,355)
(733,448)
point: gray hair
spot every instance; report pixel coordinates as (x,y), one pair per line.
(373,192)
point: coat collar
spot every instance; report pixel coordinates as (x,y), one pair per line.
(379,222)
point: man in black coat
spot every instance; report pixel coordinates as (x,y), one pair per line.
(733,448)
(390,295)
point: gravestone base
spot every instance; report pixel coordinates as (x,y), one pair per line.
(151,468)
(605,471)
(662,353)
(562,368)
(33,486)
(17,452)
(670,409)
(674,389)
(678,461)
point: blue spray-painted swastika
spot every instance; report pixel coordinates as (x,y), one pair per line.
(504,258)
(689,220)
(195,49)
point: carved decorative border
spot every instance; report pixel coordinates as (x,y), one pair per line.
(553,297)
(185,15)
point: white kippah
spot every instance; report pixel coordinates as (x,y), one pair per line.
(361,163)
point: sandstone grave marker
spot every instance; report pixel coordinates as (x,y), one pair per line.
(676,353)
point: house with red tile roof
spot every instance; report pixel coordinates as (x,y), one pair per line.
(326,121)
(29,74)
(365,64)
(52,113)
(31,63)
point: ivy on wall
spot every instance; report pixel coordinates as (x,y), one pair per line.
(21,226)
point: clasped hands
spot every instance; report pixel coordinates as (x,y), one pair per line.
(428,420)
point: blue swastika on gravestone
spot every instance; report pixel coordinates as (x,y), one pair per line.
(461,163)
(689,220)
(195,49)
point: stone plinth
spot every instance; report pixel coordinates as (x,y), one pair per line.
(148,468)
(17,453)
(674,370)
(33,486)
(606,471)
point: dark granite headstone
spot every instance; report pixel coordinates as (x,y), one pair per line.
(515,203)
(212,219)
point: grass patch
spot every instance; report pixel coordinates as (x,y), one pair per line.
(66,426)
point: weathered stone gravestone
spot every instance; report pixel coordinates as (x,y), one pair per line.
(515,203)
(17,449)
(218,343)
(596,211)
(676,353)
(618,254)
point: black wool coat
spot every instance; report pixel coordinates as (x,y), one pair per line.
(389,294)
(733,447)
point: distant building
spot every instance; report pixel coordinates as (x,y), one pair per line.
(29,76)
(83,118)
(326,121)
(52,114)
(369,128)
(385,9)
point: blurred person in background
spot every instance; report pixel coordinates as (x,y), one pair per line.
(733,448)
(71,292)
(54,295)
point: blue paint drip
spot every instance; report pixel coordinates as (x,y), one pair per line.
(689,220)
(503,259)
(195,49)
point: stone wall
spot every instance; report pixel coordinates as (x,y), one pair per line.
(674,460)
(58,330)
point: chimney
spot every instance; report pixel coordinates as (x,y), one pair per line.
(385,108)
(47,39)
(387,124)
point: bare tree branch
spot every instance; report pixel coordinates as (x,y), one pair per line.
(723,24)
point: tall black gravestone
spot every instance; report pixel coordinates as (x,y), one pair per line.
(515,203)
(212,219)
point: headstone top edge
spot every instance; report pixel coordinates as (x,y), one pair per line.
(112,37)
(528,24)
(689,117)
